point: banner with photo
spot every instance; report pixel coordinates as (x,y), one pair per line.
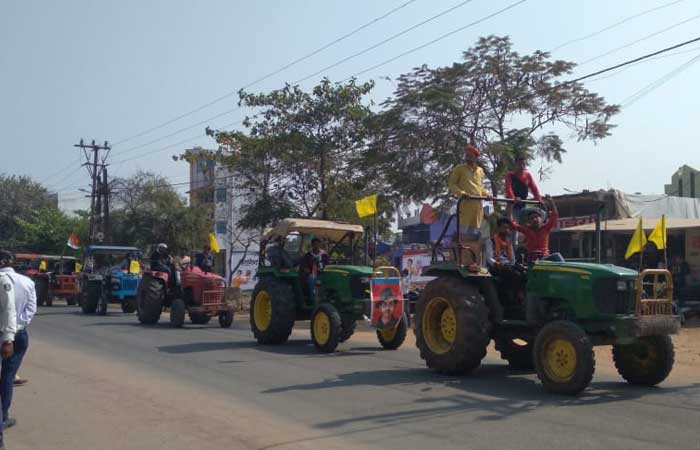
(245,276)
(387,302)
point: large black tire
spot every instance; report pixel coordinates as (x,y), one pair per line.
(41,286)
(226,319)
(200,318)
(647,362)
(91,296)
(149,300)
(326,327)
(272,312)
(129,305)
(347,326)
(519,357)
(564,358)
(392,339)
(177,313)
(452,325)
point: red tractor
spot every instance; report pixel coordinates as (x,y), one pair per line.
(53,276)
(199,294)
(35,267)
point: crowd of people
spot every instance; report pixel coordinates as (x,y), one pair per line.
(500,244)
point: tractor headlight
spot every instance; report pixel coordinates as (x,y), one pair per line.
(621,285)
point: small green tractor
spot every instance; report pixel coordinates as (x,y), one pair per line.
(547,316)
(282,295)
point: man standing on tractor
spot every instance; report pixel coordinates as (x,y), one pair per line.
(519,183)
(468,179)
(537,233)
(313,263)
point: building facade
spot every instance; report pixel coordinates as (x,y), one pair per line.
(685,182)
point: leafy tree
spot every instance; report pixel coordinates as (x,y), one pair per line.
(20,197)
(302,152)
(148,210)
(505,103)
(47,230)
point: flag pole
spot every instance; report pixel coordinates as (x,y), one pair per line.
(641,246)
(374,253)
(663,238)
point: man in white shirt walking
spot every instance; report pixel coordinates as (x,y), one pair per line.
(8,326)
(25,308)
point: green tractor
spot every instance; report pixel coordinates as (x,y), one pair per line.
(282,295)
(547,316)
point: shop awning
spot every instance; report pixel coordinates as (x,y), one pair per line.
(630,224)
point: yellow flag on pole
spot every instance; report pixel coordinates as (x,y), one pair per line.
(213,243)
(639,239)
(658,235)
(366,206)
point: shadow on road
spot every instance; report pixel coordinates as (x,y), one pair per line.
(295,347)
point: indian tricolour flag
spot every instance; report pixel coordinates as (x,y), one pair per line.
(73,241)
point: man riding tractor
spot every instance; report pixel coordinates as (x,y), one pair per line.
(110,277)
(189,291)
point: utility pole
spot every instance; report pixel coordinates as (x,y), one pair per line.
(96,165)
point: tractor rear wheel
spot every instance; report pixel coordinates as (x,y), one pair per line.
(128,305)
(326,327)
(41,286)
(272,312)
(91,296)
(149,300)
(519,356)
(177,313)
(392,338)
(226,319)
(200,318)
(347,326)
(564,358)
(647,362)
(452,325)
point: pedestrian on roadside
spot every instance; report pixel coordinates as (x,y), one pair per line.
(25,308)
(8,328)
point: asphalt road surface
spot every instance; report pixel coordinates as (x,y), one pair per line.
(109,383)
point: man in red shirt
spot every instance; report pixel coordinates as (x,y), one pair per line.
(537,234)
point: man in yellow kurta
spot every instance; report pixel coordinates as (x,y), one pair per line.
(468,179)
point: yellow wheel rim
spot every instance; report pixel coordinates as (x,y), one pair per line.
(262,311)
(439,325)
(559,360)
(388,334)
(645,355)
(322,328)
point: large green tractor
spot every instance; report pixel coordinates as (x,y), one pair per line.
(282,294)
(547,316)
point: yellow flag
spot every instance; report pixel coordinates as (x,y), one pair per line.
(658,235)
(366,206)
(78,267)
(213,243)
(134,267)
(639,239)
(42,265)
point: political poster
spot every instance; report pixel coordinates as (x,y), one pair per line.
(243,275)
(387,302)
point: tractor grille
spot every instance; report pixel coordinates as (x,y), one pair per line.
(212,297)
(359,286)
(129,284)
(609,300)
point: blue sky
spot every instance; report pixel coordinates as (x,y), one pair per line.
(109,70)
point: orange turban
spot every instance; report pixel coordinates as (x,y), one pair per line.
(473,150)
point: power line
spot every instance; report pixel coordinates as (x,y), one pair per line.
(444,36)
(265,77)
(384,41)
(615,25)
(659,82)
(649,36)
(337,63)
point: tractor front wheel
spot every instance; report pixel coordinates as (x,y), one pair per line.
(392,338)
(149,301)
(646,362)
(272,312)
(452,325)
(326,327)
(41,286)
(564,358)
(129,305)
(177,313)
(226,319)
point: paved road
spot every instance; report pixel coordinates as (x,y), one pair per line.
(381,399)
